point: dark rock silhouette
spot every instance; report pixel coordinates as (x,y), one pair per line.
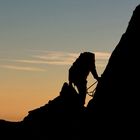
(112,113)
(116,101)
(59,118)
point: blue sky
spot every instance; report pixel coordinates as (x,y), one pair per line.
(68,25)
(39,40)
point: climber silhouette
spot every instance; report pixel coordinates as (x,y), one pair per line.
(79,71)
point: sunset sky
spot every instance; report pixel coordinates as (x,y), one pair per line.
(40,39)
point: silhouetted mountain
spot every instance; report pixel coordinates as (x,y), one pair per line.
(112,113)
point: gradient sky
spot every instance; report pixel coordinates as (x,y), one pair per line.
(40,39)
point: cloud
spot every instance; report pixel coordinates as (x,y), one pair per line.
(14,67)
(59,58)
(102,55)
(57,62)
(49,57)
(66,56)
(102,59)
(37,58)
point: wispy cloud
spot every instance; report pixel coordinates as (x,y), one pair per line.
(57,55)
(35,60)
(102,55)
(102,59)
(59,58)
(48,57)
(57,62)
(14,67)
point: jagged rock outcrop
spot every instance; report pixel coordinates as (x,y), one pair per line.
(112,113)
(59,118)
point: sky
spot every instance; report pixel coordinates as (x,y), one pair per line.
(40,39)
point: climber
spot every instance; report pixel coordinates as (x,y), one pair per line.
(79,71)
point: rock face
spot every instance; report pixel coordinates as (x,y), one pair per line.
(116,101)
(113,112)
